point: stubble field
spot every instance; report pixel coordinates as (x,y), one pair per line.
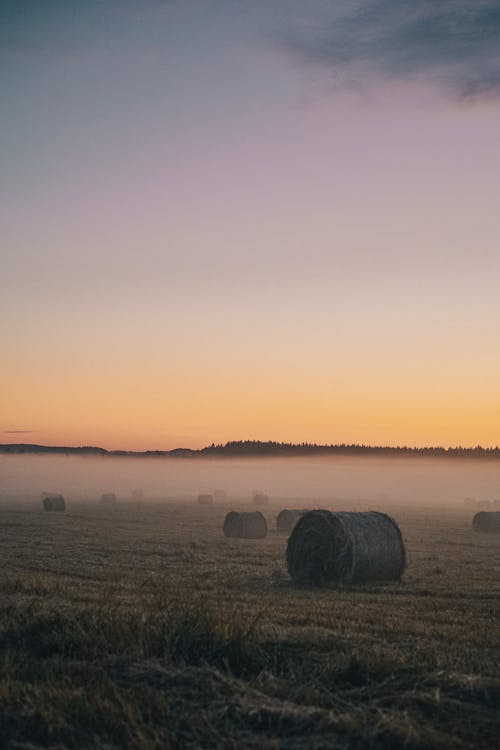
(141,626)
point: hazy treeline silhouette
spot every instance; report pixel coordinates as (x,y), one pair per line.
(273,448)
(241,448)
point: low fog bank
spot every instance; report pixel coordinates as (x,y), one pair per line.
(374,480)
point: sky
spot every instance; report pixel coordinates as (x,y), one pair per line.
(249,220)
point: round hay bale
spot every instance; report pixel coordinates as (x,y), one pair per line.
(470,501)
(488,523)
(260,498)
(220,496)
(287,518)
(343,547)
(53,502)
(205,499)
(483,504)
(108,498)
(245,525)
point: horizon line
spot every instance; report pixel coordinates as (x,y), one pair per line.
(254,447)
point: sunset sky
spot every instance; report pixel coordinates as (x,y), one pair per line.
(263,219)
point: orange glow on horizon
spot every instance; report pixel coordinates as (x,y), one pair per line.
(146,414)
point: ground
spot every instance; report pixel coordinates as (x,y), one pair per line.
(141,626)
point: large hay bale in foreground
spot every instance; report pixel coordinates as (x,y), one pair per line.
(260,498)
(108,498)
(245,525)
(345,547)
(287,518)
(205,499)
(488,523)
(53,503)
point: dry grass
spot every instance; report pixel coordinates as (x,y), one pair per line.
(147,628)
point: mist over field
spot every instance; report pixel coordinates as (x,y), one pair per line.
(416,481)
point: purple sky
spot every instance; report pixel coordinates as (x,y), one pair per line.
(250,219)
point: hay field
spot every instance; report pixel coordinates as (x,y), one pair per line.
(142,626)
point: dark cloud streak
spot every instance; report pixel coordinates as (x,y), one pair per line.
(454,44)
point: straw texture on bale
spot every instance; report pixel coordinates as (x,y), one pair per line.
(488,523)
(205,499)
(108,498)
(260,498)
(343,547)
(245,525)
(53,503)
(287,518)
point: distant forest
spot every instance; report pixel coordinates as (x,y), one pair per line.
(241,448)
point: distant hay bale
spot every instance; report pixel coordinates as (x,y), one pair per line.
(108,498)
(220,495)
(53,502)
(344,547)
(287,518)
(205,499)
(483,504)
(471,502)
(496,502)
(260,498)
(137,495)
(245,525)
(488,523)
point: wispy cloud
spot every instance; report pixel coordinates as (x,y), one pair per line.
(453,43)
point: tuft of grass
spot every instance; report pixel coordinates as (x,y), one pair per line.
(201,634)
(184,633)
